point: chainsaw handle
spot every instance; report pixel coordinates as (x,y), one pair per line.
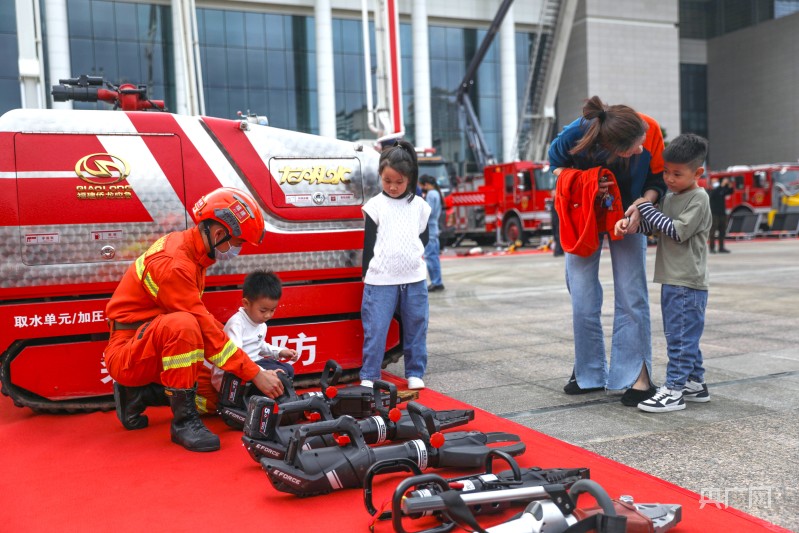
(403,464)
(314,404)
(379,387)
(423,419)
(326,380)
(399,496)
(514,466)
(289,394)
(344,424)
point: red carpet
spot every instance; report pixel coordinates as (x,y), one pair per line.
(85,473)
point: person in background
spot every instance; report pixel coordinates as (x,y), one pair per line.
(718,197)
(630,144)
(681,268)
(247,327)
(161,332)
(394,271)
(434,198)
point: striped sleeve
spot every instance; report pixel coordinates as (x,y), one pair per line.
(657,220)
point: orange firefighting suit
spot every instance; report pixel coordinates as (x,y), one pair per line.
(160,328)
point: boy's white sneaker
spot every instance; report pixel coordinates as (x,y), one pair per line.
(415,383)
(695,392)
(663,401)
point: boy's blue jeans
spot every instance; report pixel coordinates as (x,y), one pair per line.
(274,364)
(631,347)
(377,309)
(431,252)
(683,311)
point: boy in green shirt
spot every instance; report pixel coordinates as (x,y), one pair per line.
(681,267)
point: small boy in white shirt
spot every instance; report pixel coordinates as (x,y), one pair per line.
(247,327)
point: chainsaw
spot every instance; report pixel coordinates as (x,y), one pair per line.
(265,434)
(305,472)
(356,400)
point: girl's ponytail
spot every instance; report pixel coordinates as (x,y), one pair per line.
(402,158)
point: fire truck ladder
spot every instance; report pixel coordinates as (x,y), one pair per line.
(547,57)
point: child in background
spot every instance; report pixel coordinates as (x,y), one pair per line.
(432,249)
(247,327)
(394,271)
(681,266)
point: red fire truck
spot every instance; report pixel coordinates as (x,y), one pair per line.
(509,203)
(84,193)
(761,189)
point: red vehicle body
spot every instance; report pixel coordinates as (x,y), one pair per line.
(761,189)
(510,202)
(83,193)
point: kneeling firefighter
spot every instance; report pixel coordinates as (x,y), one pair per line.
(161,332)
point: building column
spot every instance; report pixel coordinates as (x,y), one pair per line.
(31,68)
(510,112)
(189,98)
(59,65)
(421,75)
(181,82)
(325,74)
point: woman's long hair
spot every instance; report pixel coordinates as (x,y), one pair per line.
(614,128)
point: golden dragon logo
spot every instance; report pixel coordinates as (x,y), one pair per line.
(102,169)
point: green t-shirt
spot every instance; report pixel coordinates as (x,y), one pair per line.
(684,263)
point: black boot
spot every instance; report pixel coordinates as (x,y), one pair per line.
(187,428)
(132,401)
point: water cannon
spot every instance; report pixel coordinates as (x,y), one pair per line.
(245,119)
(125,96)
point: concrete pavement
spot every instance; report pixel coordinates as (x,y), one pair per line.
(500,338)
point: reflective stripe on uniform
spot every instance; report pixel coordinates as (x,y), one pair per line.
(149,284)
(182,360)
(221,358)
(201,403)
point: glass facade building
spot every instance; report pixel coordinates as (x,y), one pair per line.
(10,96)
(265,63)
(706,19)
(124,42)
(703,20)
(259,62)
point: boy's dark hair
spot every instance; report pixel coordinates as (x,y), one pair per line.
(262,284)
(402,158)
(687,149)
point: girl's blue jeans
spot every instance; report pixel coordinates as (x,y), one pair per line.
(379,304)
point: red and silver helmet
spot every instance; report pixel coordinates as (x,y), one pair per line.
(235,210)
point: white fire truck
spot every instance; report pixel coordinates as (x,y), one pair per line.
(84,193)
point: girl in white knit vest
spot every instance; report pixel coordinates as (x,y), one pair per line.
(394,271)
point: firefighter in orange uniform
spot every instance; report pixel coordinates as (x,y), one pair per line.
(161,332)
